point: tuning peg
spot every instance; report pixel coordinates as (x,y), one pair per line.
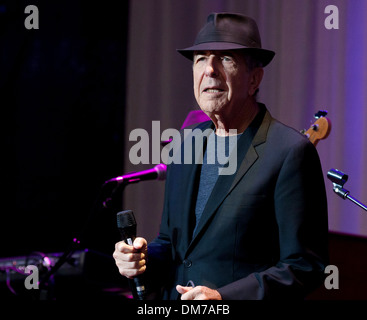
(320,113)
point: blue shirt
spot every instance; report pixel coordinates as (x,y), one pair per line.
(212,162)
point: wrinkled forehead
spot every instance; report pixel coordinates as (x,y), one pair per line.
(230,53)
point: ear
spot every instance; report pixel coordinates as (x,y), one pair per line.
(255,80)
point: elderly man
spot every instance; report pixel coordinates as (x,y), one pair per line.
(260,233)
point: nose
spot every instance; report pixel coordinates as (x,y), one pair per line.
(211,67)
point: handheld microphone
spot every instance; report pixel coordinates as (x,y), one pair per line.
(126,224)
(156,173)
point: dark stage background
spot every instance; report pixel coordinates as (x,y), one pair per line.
(62,101)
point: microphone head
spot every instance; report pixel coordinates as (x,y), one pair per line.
(126,219)
(126,224)
(161,169)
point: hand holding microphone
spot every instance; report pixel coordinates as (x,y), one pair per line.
(130,254)
(130,260)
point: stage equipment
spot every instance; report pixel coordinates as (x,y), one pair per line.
(338,179)
(80,275)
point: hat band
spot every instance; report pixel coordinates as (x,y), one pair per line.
(223,36)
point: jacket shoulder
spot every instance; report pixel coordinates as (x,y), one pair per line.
(285,135)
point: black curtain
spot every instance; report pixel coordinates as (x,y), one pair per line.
(62,102)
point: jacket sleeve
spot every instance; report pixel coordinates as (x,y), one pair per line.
(159,260)
(301,213)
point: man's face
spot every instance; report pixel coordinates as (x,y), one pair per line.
(222,82)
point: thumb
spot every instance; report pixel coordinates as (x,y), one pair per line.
(140,244)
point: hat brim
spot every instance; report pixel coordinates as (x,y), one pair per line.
(263,55)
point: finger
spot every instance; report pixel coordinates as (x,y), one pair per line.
(200,293)
(190,293)
(182,289)
(131,273)
(129,257)
(131,269)
(135,265)
(123,247)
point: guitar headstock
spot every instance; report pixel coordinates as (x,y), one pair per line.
(320,129)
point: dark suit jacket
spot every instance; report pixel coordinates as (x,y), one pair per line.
(263,232)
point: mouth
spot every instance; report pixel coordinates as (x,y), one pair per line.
(213,90)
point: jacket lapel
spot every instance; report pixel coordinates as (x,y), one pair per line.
(191,174)
(251,155)
(246,157)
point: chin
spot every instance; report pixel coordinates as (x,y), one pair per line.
(211,109)
(208,112)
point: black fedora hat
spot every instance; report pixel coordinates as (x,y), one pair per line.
(229,31)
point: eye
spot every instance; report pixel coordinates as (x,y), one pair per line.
(199,58)
(227,59)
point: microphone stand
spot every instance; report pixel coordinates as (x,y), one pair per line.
(340,191)
(46,281)
(114,201)
(339,178)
